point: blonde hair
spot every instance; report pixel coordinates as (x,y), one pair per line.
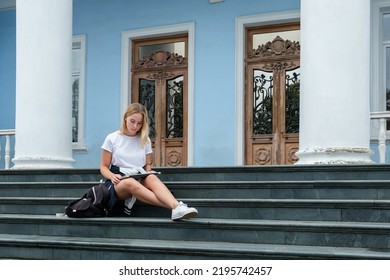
(135,108)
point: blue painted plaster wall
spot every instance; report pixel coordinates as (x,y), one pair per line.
(7,68)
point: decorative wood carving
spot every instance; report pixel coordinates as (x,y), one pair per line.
(161,59)
(279,65)
(278,47)
(291,154)
(173,158)
(160,75)
(263,156)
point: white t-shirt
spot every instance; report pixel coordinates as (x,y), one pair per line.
(126,150)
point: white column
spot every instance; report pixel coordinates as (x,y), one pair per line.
(335,115)
(43,84)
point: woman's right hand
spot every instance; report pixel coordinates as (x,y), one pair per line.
(115,178)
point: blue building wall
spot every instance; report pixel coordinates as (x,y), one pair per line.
(7,68)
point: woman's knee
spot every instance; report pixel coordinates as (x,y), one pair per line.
(131,184)
(127,187)
(152,179)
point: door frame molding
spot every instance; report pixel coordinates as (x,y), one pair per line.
(241,24)
(126,62)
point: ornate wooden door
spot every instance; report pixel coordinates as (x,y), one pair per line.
(160,83)
(272,103)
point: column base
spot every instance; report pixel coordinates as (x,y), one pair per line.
(334,156)
(42,163)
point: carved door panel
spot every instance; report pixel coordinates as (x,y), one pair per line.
(164,93)
(272,103)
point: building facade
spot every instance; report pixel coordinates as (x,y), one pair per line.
(226,83)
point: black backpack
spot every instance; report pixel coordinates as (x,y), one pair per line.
(92,204)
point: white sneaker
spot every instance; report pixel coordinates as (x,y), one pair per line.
(182,211)
(129,203)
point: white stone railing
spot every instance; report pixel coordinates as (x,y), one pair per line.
(7,134)
(382,117)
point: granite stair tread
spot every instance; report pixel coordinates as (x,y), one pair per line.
(237,202)
(372,210)
(197,249)
(202,222)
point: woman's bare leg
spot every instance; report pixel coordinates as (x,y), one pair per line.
(152,191)
(164,195)
(128,187)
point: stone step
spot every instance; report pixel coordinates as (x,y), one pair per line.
(49,175)
(321,189)
(235,173)
(281,232)
(277,173)
(278,209)
(45,189)
(20,246)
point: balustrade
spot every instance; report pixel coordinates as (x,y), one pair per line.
(382,118)
(7,134)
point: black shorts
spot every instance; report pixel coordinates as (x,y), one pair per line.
(111,189)
(112,194)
